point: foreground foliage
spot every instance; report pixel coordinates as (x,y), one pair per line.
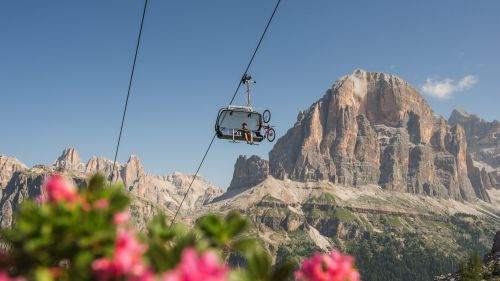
(86,234)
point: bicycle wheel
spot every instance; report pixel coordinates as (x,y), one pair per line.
(266,116)
(271,134)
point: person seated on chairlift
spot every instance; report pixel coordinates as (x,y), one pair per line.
(247,133)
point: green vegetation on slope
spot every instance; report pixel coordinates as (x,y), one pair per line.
(386,246)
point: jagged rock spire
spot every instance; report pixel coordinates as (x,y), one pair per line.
(69,160)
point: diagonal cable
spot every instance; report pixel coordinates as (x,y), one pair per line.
(129,87)
(231,102)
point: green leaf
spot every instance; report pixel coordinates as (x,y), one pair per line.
(236,224)
(43,274)
(97,182)
(239,275)
(259,265)
(245,245)
(159,257)
(284,271)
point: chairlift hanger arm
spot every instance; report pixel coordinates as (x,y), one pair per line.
(247,79)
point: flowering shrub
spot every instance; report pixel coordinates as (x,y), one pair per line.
(324,267)
(85,233)
(194,267)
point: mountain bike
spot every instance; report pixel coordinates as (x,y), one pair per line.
(269,133)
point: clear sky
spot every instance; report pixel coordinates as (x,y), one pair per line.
(64,69)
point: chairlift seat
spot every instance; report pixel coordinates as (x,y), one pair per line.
(237,135)
(230,120)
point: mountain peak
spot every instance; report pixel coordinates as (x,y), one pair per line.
(375,128)
(69,160)
(249,172)
(359,71)
(133,170)
(460,112)
(9,166)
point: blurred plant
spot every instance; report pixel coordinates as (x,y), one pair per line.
(84,233)
(324,267)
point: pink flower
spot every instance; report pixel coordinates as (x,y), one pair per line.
(104,269)
(60,190)
(102,203)
(127,259)
(121,217)
(324,267)
(193,267)
(5,277)
(146,276)
(128,253)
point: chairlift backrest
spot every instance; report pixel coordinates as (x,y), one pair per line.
(234,119)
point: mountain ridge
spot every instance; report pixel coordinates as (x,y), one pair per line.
(152,192)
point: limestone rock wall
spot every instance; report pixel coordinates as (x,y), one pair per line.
(152,192)
(483,140)
(249,172)
(375,128)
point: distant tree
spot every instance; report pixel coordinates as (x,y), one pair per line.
(471,270)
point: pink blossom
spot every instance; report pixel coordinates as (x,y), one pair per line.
(5,277)
(324,267)
(127,259)
(146,276)
(121,217)
(105,269)
(60,190)
(193,267)
(128,253)
(102,203)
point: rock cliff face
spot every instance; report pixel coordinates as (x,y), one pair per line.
(375,128)
(249,172)
(18,182)
(8,167)
(105,166)
(69,160)
(483,140)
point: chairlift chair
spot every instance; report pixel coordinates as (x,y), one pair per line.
(230,119)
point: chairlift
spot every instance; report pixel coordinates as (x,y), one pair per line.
(243,123)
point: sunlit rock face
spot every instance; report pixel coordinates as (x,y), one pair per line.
(483,139)
(249,172)
(69,160)
(151,193)
(375,128)
(8,167)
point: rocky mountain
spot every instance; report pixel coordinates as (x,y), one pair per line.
(69,160)
(483,141)
(393,235)
(152,192)
(375,128)
(248,172)
(370,169)
(8,167)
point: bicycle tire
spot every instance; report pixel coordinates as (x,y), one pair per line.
(266,116)
(271,135)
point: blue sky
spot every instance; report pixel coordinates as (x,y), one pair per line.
(64,68)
